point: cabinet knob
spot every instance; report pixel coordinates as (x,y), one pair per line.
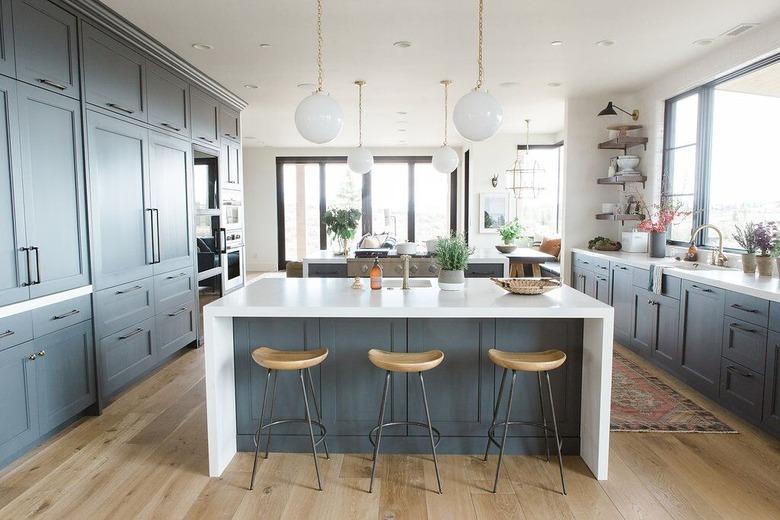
(32,357)
(364,269)
(41,353)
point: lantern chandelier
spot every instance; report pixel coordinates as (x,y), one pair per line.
(522,178)
(445,159)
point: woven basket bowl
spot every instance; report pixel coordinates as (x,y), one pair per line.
(529,286)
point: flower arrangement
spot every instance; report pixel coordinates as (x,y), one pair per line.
(511,231)
(746,237)
(765,237)
(658,217)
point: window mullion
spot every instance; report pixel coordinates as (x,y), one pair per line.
(704,156)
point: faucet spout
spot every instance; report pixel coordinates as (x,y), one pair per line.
(405,259)
(717,258)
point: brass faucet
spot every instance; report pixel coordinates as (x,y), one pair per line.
(405,259)
(717,257)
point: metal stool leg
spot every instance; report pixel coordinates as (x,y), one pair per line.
(311,430)
(544,417)
(379,434)
(495,411)
(271,417)
(430,431)
(555,427)
(506,429)
(317,409)
(259,429)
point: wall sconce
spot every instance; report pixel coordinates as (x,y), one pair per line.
(610,111)
(494,181)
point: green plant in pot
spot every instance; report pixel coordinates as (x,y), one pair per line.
(765,235)
(746,238)
(509,232)
(452,258)
(776,250)
(342,225)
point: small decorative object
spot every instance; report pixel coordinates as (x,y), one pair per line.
(612,170)
(692,255)
(604,244)
(746,238)
(342,223)
(523,178)
(627,163)
(765,235)
(357,283)
(494,180)
(493,207)
(509,232)
(658,218)
(376,275)
(406,248)
(452,258)
(634,241)
(430,245)
(527,286)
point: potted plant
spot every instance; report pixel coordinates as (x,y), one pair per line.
(657,219)
(765,234)
(509,232)
(746,238)
(776,250)
(342,223)
(452,258)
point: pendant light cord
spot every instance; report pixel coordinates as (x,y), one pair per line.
(446,116)
(481,70)
(360,113)
(320,75)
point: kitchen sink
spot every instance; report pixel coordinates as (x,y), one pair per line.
(698,266)
(397,283)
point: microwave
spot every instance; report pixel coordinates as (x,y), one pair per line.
(232,209)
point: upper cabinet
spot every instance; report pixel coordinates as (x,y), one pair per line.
(205,117)
(7,64)
(230,157)
(115,75)
(45,44)
(229,123)
(168,100)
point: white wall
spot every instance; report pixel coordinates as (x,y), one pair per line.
(260,195)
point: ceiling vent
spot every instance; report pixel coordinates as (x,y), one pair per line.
(739,29)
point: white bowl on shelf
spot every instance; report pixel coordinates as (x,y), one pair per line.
(627,163)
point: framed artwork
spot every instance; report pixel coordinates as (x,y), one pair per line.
(493,211)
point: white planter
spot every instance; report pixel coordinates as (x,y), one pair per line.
(452,280)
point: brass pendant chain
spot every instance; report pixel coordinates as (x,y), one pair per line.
(481,70)
(360,84)
(446,83)
(320,75)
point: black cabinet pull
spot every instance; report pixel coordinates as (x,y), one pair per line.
(168,125)
(157,228)
(703,289)
(183,309)
(737,326)
(732,368)
(130,335)
(69,313)
(52,83)
(206,139)
(174,276)
(131,289)
(121,108)
(741,308)
(29,281)
(7,333)
(155,239)
(37,265)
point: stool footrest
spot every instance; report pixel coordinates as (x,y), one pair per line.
(323,432)
(375,430)
(492,430)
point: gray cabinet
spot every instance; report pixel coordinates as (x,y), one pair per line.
(60,315)
(66,374)
(121,222)
(741,390)
(230,156)
(114,74)
(622,301)
(7,62)
(642,321)
(45,45)
(14,275)
(54,192)
(18,407)
(170,172)
(744,343)
(701,331)
(666,332)
(175,328)
(15,329)
(229,123)
(771,413)
(127,355)
(168,97)
(601,287)
(484,270)
(119,307)
(204,114)
(327,270)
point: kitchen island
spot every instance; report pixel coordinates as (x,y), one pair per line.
(309,313)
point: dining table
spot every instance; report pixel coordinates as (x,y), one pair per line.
(527,256)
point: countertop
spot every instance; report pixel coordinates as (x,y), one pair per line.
(334,297)
(480,256)
(764,287)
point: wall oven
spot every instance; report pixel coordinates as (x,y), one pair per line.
(233,271)
(232,209)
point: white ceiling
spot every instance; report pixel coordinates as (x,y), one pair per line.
(651,38)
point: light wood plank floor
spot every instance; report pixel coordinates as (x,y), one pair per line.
(146,458)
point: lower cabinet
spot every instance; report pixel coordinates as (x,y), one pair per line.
(771,416)
(621,300)
(474,270)
(641,339)
(175,329)
(666,332)
(741,390)
(127,355)
(19,403)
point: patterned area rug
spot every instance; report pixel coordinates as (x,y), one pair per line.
(643,403)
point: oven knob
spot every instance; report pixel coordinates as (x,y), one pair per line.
(364,268)
(432,269)
(413,268)
(399,268)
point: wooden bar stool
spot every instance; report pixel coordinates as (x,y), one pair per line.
(289,360)
(539,362)
(404,362)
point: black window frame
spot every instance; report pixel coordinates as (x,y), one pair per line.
(701,190)
(366,209)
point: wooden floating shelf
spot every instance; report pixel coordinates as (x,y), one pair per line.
(611,216)
(623,143)
(622,180)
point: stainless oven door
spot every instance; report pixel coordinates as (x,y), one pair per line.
(233,271)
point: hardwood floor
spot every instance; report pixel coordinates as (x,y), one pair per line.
(146,458)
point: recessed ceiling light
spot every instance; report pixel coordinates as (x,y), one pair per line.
(605,43)
(403,44)
(401,113)
(553,84)
(251,86)
(402,129)
(202,46)
(704,42)
(401,142)
(556,43)
(307,86)
(250,137)
(509,84)
(264,45)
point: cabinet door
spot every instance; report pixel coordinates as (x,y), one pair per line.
(622,301)
(54,198)
(19,405)
(66,374)
(45,43)
(204,114)
(601,287)
(7,62)
(14,276)
(127,355)
(121,224)
(229,123)
(643,321)
(230,156)
(170,172)
(168,100)
(666,331)
(589,280)
(701,335)
(579,279)
(771,415)
(114,74)
(175,328)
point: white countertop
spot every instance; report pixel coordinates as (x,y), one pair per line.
(334,298)
(480,256)
(764,287)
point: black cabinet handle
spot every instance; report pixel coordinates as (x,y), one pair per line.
(130,335)
(121,108)
(183,309)
(7,333)
(174,276)
(37,265)
(131,289)
(155,240)
(157,228)
(741,308)
(52,83)
(69,313)
(703,289)
(172,127)
(29,281)
(737,326)
(206,139)
(732,368)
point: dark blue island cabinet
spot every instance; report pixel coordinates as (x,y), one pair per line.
(461,391)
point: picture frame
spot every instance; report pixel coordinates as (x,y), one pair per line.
(493,211)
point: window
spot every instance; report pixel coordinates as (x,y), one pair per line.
(715,147)
(402,195)
(540,215)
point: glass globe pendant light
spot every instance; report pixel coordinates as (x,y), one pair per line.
(360,160)
(445,159)
(478,114)
(318,117)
